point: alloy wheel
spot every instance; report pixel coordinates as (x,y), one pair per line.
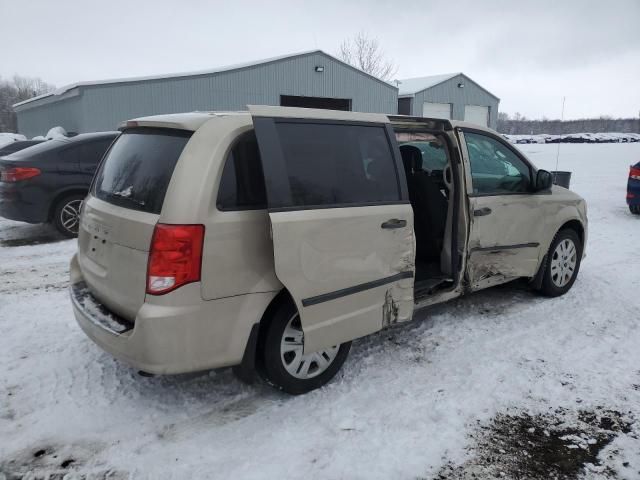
(70,216)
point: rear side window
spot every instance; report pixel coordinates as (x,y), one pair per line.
(337,164)
(88,152)
(137,169)
(242,182)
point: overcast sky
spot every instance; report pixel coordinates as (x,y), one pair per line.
(530,55)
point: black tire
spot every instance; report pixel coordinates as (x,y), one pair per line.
(272,366)
(635,209)
(552,284)
(62,215)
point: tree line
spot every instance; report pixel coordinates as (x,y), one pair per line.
(16,90)
(520,125)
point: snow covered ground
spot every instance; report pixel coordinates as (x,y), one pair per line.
(609,137)
(502,383)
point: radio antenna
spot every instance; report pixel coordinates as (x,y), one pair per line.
(561,120)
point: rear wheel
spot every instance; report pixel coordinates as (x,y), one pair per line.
(563,263)
(284,363)
(635,209)
(66,215)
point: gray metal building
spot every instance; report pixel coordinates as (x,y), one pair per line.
(453,96)
(309,79)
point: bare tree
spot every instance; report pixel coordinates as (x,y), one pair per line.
(364,52)
(30,87)
(14,91)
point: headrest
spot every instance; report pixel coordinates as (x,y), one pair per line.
(411,157)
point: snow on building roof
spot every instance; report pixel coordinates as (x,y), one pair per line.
(410,86)
(226,68)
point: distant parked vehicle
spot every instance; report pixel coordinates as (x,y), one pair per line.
(17,146)
(48,182)
(633,189)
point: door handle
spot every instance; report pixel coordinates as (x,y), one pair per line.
(394,223)
(481,212)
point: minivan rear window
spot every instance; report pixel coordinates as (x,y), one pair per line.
(137,169)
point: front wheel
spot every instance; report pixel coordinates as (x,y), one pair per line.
(66,215)
(285,364)
(563,263)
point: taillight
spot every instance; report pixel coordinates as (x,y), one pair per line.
(635,173)
(15,174)
(175,257)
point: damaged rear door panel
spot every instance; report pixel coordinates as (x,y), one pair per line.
(341,222)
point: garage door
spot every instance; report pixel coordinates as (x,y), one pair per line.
(476,114)
(436,110)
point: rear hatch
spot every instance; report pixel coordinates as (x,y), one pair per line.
(121,212)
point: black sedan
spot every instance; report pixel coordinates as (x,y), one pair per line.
(48,182)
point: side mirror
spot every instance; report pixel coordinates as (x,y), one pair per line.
(544,180)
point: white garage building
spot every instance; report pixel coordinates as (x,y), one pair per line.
(453,96)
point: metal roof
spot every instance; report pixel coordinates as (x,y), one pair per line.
(227,68)
(410,86)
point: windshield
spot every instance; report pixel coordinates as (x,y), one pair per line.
(137,169)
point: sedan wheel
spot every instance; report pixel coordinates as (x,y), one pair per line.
(67,215)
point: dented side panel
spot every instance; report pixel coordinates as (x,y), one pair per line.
(513,240)
(510,234)
(348,276)
(506,243)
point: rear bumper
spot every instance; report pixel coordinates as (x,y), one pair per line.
(633,192)
(14,205)
(178,333)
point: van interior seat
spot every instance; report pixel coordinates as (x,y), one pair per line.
(429,205)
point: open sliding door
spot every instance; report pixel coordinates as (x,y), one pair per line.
(341,221)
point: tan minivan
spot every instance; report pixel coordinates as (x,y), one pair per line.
(268,240)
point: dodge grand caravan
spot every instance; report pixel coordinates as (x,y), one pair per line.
(268,240)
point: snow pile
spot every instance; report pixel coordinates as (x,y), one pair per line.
(56,132)
(6,138)
(610,137)
(39,137)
